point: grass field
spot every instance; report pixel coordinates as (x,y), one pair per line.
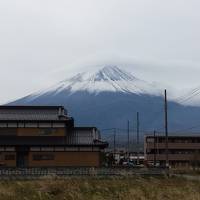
(132,188)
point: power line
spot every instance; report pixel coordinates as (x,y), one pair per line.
(189,98)
(123,131)
(182,97)
(185,98)
(186,129)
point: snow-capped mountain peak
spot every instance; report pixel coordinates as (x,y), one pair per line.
(107,73)
(107,79)
(112,73)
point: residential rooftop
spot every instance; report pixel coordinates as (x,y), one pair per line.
(32,113)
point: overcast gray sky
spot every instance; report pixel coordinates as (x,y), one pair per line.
(43,41)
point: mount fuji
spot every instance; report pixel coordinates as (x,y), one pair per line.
(107,79)
(108,97)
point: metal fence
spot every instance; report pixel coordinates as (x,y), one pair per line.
(41,173)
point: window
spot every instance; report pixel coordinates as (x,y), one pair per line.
(96,148)
(35,149)
(8,131)
(150,139)
(59,149)
(47,149)
(71,149)
(10,157)
(85,149)
(10,149)
(58,125)
(43,157)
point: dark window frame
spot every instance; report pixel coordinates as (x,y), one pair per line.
(40,157)
(9,157)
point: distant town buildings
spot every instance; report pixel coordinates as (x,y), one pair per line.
(121,158)
(183,151)
(45,136)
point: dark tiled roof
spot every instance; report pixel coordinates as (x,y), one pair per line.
(35,113)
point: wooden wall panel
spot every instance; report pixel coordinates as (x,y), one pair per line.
(41,131)
(75,159)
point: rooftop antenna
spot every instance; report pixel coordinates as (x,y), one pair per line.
(128,137)
(114,142)
(155,150)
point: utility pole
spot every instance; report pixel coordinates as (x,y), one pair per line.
(138,131)
(128,138)
(133,140)
(154,139)
(114,142)
(166,132)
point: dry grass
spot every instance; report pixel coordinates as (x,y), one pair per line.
(134,188)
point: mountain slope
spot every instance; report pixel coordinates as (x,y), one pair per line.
(109,97)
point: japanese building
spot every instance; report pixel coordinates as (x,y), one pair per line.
(183,151)
(45,136)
